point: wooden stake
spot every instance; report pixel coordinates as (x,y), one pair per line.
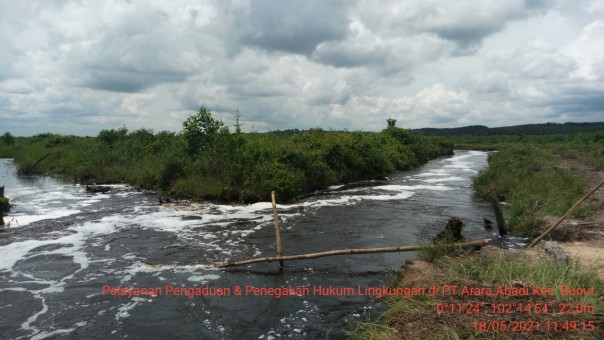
(477,243)
(565,216)
(277,230)
(498,213)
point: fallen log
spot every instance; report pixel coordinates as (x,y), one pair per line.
(228,264)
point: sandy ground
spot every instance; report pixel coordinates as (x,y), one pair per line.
(583,239)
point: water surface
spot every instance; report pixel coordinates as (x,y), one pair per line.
(63,245)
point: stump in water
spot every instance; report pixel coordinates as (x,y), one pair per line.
(97,188)
(4,205)
(452,232)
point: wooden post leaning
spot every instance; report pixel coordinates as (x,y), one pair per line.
(277,231)
(545,233)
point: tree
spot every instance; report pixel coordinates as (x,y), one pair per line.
(110,137)
(199,130)
(391,122)
(7,138)
(237,123)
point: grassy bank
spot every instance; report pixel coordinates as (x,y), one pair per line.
(433,317)
(536,176)
(542,179)
(208,161)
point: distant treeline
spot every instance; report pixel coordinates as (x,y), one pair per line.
(208,161)
(529,129)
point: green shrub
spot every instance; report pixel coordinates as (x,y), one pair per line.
(7,138)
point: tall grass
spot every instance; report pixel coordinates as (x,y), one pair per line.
(533,182)
(416,315)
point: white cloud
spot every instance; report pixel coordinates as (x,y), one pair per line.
(79,66)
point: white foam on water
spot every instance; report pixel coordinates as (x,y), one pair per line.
(439,172)
(44,335)
(21,220)
(212,230)
(13,252)
(35,203)
(27,324)
(413,187)
(204,278)
(443,179)
(124,310)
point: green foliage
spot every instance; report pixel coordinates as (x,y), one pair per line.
(206,161)
(110,137)
(533,183)
(199,130)
(440,249)
(518,130)
(7,138)
(4,204)
(545,273)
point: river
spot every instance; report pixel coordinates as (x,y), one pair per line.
(64,245)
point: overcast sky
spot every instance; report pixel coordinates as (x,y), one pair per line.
(75,67)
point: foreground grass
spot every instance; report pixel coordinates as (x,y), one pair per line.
(417,317)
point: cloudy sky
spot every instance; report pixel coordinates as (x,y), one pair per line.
(75,67)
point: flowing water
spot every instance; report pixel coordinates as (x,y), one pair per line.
(64,245)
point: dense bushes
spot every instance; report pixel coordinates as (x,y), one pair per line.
(7,138)
(207,161)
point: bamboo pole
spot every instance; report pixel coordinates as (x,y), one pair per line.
(476,243)
(277,230)
(545,233)
(28,170)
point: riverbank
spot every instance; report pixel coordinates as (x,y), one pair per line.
(495,294)
(206,161)
(539,183)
